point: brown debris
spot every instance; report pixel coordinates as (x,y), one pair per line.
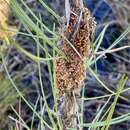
(70,73)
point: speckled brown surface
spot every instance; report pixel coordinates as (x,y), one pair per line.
(70,72)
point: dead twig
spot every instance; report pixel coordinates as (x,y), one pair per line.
(113,50)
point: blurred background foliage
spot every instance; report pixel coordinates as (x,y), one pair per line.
(116,13)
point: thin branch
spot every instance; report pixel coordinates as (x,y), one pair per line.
(113,50)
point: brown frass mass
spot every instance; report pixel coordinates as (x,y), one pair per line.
(70,72)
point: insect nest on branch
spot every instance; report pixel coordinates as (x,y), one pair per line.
(70,72)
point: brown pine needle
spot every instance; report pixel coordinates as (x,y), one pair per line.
(113,50)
